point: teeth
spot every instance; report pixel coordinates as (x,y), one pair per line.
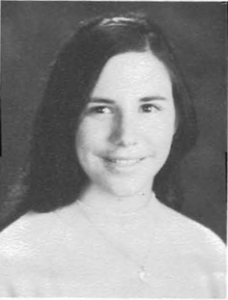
(123,162)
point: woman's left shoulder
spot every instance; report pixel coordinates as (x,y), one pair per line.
(200,246)
(193,236)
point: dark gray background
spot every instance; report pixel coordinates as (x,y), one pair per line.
(32,32)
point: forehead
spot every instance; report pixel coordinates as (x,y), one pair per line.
(134,73)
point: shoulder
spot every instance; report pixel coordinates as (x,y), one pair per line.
(23,235)
(38,245)
(196,247)
(20,245)
(192,236)
(37,233)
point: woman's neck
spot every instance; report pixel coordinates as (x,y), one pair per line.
(100,201)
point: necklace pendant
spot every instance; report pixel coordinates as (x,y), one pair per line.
(142,274)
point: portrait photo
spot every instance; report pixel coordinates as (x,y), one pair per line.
(114,149)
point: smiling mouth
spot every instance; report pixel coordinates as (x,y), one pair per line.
(123,162)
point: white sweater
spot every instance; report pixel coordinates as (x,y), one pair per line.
(61,254)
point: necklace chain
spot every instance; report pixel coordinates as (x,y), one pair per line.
(128,214)
(142,274)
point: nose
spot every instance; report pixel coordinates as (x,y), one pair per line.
(124,131)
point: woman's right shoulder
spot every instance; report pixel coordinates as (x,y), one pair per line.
(15,251)
(18,239)
(35,242)
(39,233)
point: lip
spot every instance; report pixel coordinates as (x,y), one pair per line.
(122,162)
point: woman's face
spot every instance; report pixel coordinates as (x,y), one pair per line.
(127,128)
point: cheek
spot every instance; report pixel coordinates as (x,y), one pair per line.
(84,147)
(84,141)
(160,132)
(90,137)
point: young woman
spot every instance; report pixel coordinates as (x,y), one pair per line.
(95,216)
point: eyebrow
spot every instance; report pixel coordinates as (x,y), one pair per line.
(153,98)
(101,100)
(109,101)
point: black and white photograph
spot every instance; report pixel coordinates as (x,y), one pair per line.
(114,149)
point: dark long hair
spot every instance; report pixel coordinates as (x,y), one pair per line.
(53,177)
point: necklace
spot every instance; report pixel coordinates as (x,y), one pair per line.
(142,273)
(126,215)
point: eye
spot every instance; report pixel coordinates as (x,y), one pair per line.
(149,108)
(100,110)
